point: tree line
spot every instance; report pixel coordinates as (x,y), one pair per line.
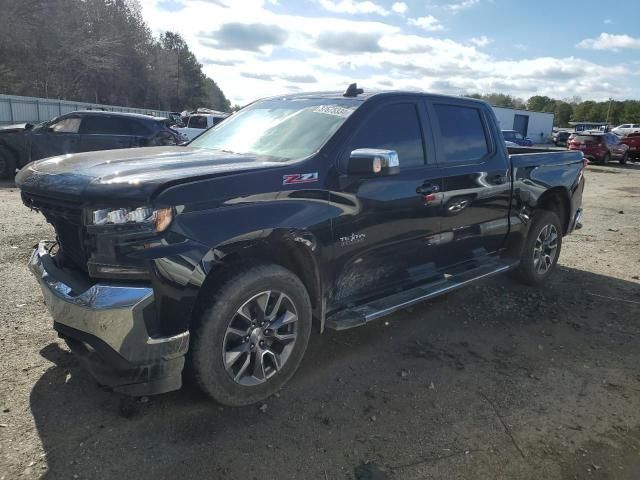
(570,110)
(99,51)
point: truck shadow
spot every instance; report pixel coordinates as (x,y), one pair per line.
(352,387)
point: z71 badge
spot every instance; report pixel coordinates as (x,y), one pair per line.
(294,178)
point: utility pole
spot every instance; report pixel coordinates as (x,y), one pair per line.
(609,110)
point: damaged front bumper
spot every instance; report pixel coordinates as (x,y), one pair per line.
(104,325)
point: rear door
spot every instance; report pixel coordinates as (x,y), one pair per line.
(386,234)
(476,188)
(107,132)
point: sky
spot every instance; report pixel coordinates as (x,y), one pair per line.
(257,48)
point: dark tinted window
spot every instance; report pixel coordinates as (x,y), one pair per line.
(106,125)
(198,121)
(587,138)
(461,133)
(393,127)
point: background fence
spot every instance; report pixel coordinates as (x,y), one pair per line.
(15,109)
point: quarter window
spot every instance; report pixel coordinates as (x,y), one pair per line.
(462,134)
(394,127)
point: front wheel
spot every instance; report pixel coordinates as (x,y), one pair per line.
(541,248)
(251,335)
(7,164)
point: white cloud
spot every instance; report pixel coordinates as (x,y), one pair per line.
(482,41)
(351,7)
(330,51)
(400,7)
(609,41)
(607,21)
(428,23)
(456,7)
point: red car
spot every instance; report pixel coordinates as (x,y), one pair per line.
(600,147)
(633,142)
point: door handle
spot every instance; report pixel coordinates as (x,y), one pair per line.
(427,188)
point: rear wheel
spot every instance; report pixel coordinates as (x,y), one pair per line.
(251,336)
(624,158)
(541,249)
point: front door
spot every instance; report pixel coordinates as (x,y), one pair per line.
(57,138)
(476,191)
(382,237)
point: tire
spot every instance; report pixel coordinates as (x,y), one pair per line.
(7,164)
(624,158)
(214,370)
(534,256)
(606,158)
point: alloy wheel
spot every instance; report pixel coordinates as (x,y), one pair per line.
(260,338)
(545,249)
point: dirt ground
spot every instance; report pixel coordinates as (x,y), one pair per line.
(497,381)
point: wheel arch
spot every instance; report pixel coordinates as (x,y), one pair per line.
(294,250)
(557,200)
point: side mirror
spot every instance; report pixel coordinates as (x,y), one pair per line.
(373,161)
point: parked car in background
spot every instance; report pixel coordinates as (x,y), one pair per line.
(198,123)
(561,138)
(633,142)
(516,137)
(336,207)
(81,131)
(600,147)
(626,129)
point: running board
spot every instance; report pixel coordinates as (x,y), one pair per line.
(357,316)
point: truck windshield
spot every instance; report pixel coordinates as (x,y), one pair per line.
(281,130)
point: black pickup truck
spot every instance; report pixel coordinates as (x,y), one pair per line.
(329,209)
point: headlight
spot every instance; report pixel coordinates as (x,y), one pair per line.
(160,218)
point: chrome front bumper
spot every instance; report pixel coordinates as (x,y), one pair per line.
(107,319)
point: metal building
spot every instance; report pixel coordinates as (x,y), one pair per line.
(15,109)
(535,125)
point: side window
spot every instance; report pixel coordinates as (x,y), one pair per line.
(198,121)
(462,134)
(393,127)
(66,125)
(105,125)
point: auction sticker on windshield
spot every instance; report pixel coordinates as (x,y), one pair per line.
(334,110)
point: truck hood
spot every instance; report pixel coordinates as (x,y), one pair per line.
(126,175)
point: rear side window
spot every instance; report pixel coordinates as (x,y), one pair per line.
(394,127)
(586,138)
(106,125)
(198,121)
(462,134)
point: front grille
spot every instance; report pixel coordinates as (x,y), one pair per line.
(66,218)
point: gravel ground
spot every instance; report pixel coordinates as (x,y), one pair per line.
(494,381)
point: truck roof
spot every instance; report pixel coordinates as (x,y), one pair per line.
(370,94)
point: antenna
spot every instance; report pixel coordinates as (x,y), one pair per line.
(352,91)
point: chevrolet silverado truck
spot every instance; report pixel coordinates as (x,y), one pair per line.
(298,214)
